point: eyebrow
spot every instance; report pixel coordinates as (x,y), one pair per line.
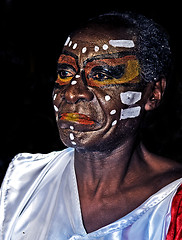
(70,54)
(109,56)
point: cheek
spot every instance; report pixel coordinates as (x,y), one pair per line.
(121,106)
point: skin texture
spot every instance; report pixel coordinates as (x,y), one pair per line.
(113,168)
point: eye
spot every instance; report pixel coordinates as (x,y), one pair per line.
(99,73)
(100,76)
(65,73)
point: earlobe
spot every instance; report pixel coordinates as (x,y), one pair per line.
(156,95)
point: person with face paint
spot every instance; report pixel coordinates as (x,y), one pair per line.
(106,184)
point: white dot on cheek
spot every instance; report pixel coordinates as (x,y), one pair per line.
(55,108)
(84,50)
(55,95)
(72,136)
(112,112)
(107,98)
(73,82)
(114,122)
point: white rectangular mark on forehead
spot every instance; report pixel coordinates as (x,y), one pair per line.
(122,43)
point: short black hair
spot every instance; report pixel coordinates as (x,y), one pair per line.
(154,50)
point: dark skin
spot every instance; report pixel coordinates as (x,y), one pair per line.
(115,172)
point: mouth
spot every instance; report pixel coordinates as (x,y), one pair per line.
(77,118)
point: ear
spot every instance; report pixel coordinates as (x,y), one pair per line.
(156,95)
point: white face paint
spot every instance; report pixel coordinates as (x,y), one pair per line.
(114,122)
(130,112)
(112,112)
(55,108)
(105,46)
(67,41)
(75,45)
(130,97)
(96,48)
(84,50)
(73,82)
(122,43)
(54,98)
(72,136)
(107,98)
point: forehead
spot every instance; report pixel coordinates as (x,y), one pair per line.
(99,40)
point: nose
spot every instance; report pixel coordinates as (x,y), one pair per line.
(77,91)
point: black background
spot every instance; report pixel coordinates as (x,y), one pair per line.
(32,34)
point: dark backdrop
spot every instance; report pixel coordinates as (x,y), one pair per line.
(31,36)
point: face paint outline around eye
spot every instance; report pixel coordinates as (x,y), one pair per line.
(128,77)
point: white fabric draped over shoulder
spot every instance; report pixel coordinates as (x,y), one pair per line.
(39,200)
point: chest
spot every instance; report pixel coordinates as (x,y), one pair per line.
(97,213)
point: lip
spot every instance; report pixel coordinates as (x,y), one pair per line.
(77,118)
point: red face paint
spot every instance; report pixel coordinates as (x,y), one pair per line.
(77,118)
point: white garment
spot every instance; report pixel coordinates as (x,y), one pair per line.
(39,201)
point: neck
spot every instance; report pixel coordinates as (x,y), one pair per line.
(98,169)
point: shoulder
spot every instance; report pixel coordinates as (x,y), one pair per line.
(24,163)
(160,164)
(175,228)
(26,173)
(163,170)
(28,169)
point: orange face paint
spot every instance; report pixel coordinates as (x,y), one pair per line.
(77,118)
(68,72)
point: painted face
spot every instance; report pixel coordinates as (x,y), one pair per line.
(98,91)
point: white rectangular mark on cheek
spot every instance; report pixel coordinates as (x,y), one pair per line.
(130,112)
(130,97)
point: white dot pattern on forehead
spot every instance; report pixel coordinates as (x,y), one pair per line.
(71,127)
(67,41)
(96,48)
(74,143)
(70,43)
(77,76)
(105,46)
(75,45)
